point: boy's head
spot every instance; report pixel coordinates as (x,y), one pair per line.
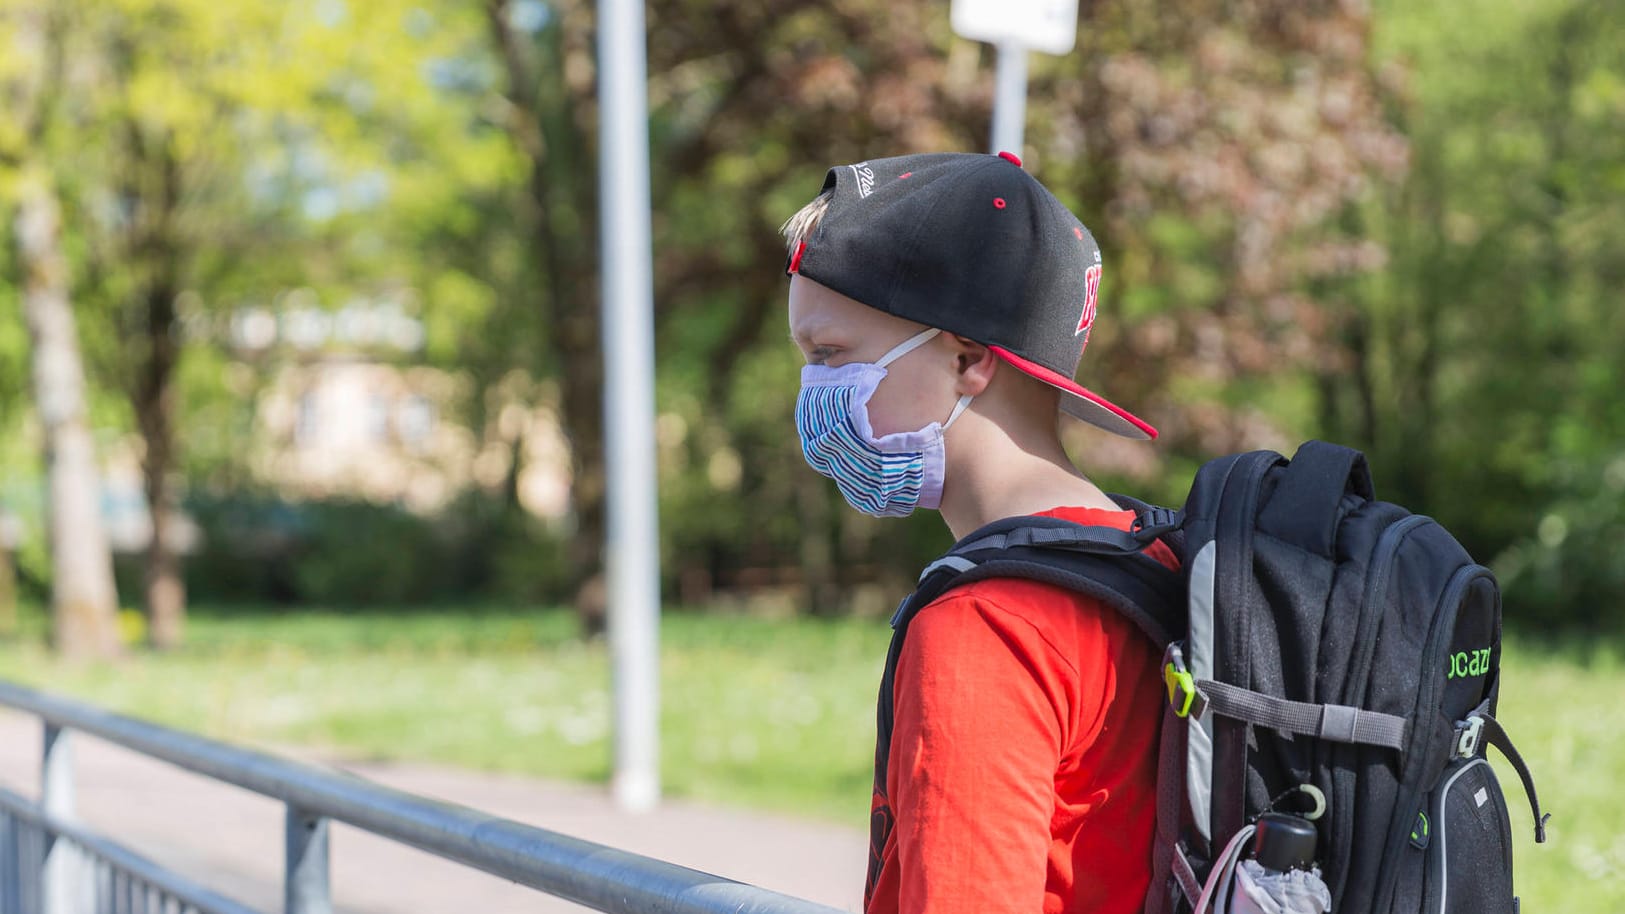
(967,244)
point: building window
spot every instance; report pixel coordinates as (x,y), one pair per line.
(377,419)
(307,423)
(415,422)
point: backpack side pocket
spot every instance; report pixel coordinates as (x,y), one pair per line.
(1469,868)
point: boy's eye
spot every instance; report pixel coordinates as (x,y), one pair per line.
(820,354)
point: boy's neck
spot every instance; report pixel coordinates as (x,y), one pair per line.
(996,476)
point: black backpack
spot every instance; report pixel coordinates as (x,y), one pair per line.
(1326,654)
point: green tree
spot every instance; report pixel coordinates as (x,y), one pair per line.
(221,152)
(724,140)
(84,601)
(159,116)
(1213,151)
(1489,370)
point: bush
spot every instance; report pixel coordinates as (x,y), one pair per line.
(362,554)
(246,548)
(341,552)
(506,554)
(1568,573)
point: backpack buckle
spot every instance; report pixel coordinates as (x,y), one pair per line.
(1154,521)
(1182,692)
(1468,734)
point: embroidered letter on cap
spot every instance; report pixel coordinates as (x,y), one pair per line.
(1091,294)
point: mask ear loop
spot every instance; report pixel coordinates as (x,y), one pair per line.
(907,346)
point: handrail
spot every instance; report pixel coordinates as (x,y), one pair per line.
(203,899)
(594,875)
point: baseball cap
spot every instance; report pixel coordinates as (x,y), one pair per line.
(971,244)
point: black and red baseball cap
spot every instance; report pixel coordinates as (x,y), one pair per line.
(973,245)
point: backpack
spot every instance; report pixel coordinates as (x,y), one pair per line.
(1325,654)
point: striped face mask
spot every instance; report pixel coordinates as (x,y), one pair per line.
(887,476)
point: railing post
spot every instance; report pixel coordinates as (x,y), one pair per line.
(305,884)
(11,866)
(56,800)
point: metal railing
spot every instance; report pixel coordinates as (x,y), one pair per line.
(51,864)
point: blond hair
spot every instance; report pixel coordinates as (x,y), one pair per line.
(797,228)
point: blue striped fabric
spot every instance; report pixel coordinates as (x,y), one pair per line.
(872,481)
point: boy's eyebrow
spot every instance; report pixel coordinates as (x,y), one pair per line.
(804,334)
(808,329)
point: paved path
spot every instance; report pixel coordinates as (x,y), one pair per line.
(231,840)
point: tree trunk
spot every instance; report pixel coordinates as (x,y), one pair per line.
(152,398)
(164,589)
(563,227)
(8,590)
(574,331)
(84,601)
(581,386)
(820,591)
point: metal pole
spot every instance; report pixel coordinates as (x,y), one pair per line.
(305,883)
(57,800)
(632,550)
(1010,98)
(11,864)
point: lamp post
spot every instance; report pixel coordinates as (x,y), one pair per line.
(632,550)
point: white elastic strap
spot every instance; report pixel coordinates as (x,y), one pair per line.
(1218,880)
(959,410)
(907,346)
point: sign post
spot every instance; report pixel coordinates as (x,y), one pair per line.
(1015,27)
(1010,98)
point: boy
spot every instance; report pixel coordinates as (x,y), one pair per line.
(942,302)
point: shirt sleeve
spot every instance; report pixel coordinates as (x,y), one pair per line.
(981,720)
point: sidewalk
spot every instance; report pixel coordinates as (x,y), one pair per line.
(231,840)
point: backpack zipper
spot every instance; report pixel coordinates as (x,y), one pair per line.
(1443,829)
(1376,577)
(1444,624)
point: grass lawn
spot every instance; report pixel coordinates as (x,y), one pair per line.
(755,712)
(759,713)
(1562,705)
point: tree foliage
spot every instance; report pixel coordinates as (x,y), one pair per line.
(1489,363)
(1378,226)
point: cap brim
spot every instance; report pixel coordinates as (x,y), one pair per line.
(1081,403)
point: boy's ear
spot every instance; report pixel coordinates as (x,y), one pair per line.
(976,365)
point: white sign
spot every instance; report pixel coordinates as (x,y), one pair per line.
(1050,26)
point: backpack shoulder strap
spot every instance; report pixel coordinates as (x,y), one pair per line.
(1058,533)
(1105,563)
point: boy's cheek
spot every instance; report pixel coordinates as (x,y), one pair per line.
(900,410)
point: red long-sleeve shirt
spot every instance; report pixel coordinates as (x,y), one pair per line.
(1022,773)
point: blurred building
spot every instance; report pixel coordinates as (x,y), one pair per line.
(346,413)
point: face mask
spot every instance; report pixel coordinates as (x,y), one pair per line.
(887,476)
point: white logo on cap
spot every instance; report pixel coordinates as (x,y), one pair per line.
(866,178)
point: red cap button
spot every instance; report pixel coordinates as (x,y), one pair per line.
(1011,157)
